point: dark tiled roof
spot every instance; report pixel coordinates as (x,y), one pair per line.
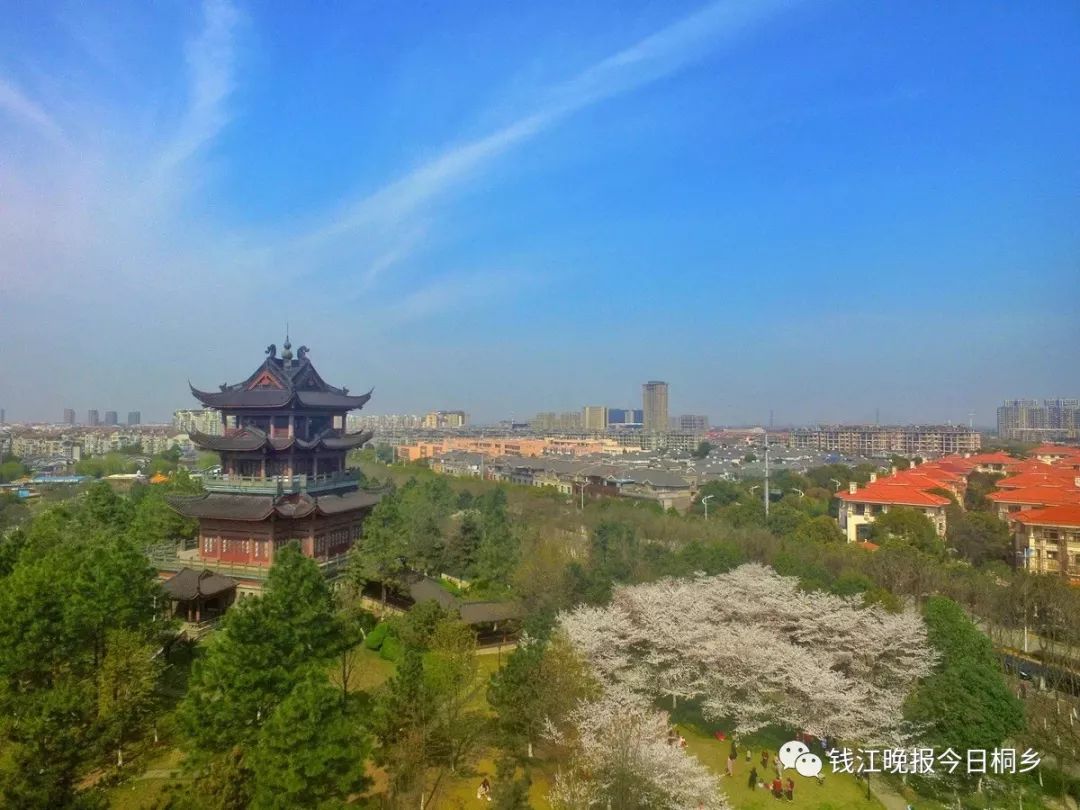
(424,589)
(260,507)
(229,507)
(358,499)
(276,384)
(489,612)
(348,441)
(251,438)
(189,584)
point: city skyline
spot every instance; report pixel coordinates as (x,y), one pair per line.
(815,209)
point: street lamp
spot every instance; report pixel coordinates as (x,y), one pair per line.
(801,493)
(838,483)
(705,501)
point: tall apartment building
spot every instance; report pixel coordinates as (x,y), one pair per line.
(876,440)
(134,418)
(618,417)
(654,401)
(445,419)
(205,420)
(92,418)
(595,417)
(111,418)
(549,420)
(1031,420)
(69,416)
(691,423)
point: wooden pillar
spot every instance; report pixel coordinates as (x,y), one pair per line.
(315,466)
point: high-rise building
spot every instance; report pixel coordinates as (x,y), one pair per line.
(595,417)
(692,423)
(69,416)
(445,419)
(625,417)
(566,421)
(111,418)
(206,420)
(134,418)
(1031,420)
(654,401)
(92,418)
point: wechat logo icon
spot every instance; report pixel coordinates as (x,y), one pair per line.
(794,754)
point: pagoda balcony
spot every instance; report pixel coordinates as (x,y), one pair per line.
(280,484)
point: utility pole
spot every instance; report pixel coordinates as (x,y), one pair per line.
(766,475)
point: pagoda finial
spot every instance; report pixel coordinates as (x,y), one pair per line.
(286,353)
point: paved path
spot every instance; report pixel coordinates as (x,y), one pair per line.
(885,794)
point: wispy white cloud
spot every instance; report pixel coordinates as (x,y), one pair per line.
(211,70)
(656,56)
(25,112)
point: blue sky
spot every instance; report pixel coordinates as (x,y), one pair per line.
(818,208)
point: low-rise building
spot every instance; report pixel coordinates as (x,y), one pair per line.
(881,440)
(1048,540)
(860,506)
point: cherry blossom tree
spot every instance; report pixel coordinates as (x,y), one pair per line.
(756,650)
(621,757)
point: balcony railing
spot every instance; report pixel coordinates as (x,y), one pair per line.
(165,558)
(279,484)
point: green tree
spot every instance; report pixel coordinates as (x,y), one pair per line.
(902,524)
(499,548)
(703,449)
(979,537)
(126,685)
(979,485)
(542,680)
(464,543)
(965,704)
(403,723)
(155,522)
(451,671)
(379,556)
(308,752)
(261,651)
(11,470)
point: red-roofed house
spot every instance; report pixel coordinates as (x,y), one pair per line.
(860,506)
(1010,502)
(1055,452)
(1048,540)
(993,462)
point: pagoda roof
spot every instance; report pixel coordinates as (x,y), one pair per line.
(189,584)
(280,382)
(215,505)
(251,438)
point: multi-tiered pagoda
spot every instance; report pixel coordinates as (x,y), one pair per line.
(283,476)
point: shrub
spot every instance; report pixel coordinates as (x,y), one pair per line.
(391,648)
(377,636)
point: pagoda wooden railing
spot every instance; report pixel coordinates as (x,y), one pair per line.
(164,558)
(279,484)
